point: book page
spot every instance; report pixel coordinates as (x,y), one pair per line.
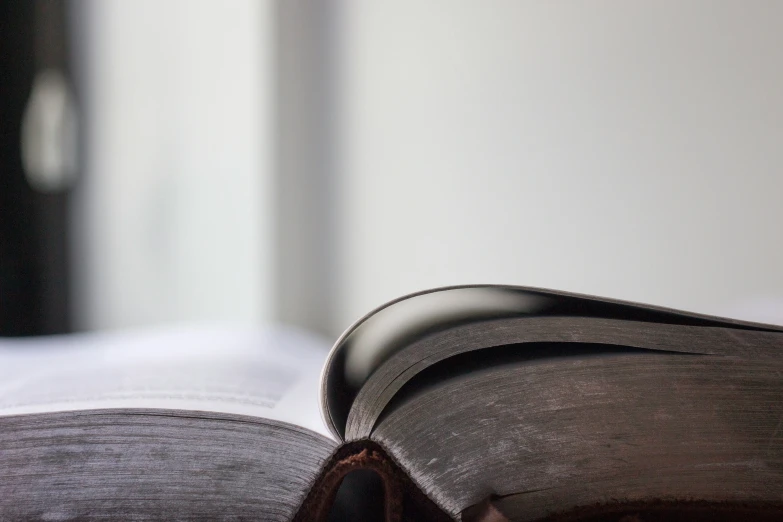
(270,373)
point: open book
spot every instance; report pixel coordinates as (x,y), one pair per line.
(472,403)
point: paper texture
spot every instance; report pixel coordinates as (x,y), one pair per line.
(271,373)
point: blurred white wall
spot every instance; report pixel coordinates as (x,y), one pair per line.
(306,162)
(175,213)
(630,149)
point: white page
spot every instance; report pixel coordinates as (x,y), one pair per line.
(271,373)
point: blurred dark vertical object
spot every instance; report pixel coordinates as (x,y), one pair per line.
(37,117)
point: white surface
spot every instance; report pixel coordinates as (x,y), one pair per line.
(174,214)
(763,310)
(268,373)
(626,149)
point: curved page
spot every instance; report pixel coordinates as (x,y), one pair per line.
(378,337)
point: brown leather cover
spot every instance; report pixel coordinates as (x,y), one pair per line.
(403,500)
(652,511)
(673,511)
